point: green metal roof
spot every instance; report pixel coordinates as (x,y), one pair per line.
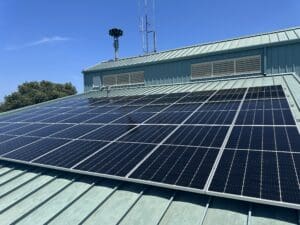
(264,39)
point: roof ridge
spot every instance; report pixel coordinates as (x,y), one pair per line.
(209,43)
(197,45)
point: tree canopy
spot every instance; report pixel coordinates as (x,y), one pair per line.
(30,93)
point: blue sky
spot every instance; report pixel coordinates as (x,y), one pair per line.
(54,40)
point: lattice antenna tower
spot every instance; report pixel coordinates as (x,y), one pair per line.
(147,25)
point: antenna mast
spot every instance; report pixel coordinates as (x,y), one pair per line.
(147,25)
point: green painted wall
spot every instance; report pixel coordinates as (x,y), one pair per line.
(280,59)
(283,59)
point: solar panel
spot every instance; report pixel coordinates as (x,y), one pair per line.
(239,143)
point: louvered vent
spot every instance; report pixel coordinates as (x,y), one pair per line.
(109,80)
(244,65)
(201,70)
(223,68)
(137,78)
(124,79)
(248,65)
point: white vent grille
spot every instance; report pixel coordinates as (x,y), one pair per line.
(137,78)
(244,65)
(223,68)
(124,79)
(248,65)
(202,70)
(109,80)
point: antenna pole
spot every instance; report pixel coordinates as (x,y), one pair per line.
(147,37)
(147,14)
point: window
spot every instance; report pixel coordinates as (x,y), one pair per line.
(244,65)
(96,81)
(124,79)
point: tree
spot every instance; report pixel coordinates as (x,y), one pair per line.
(30,93)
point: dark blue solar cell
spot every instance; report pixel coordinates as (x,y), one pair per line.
(50,129)
(236,176)
(4,124)
(169,118)
(23,117)
(202,117)
(204,168)
(57,118)
(215,106)
(280,103)
(116,159)
(259,117)
(290,191)
(27,129)
(183,107)
(5,137)
(253,175)
(79,110)
(39,118)
(12,126)
(193,99)
(268,116)
(179,165)
(152,108)
(166,100)
(75,131)
(148,133)
(228,95)
(269,138)
(294,138)
(105,118)
(288,117)
(282,141)
(126,109)
(61,110)
(234,138)
(71,153)
(246,117)
(256,138)
(244,140)
(219,180)
(101,109)
(109,132)
(144,101)
(32,151)
(211,117)
(270,183)
(134,118)
(15,143)
(81,118)
(210,136)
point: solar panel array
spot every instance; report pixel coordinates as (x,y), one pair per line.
(241,142)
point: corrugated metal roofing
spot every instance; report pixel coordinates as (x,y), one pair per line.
(35,196)
(276,37)
(30,195)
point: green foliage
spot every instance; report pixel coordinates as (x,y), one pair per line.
(30,93)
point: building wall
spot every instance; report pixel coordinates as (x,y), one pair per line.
(283,59)
(280,59)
